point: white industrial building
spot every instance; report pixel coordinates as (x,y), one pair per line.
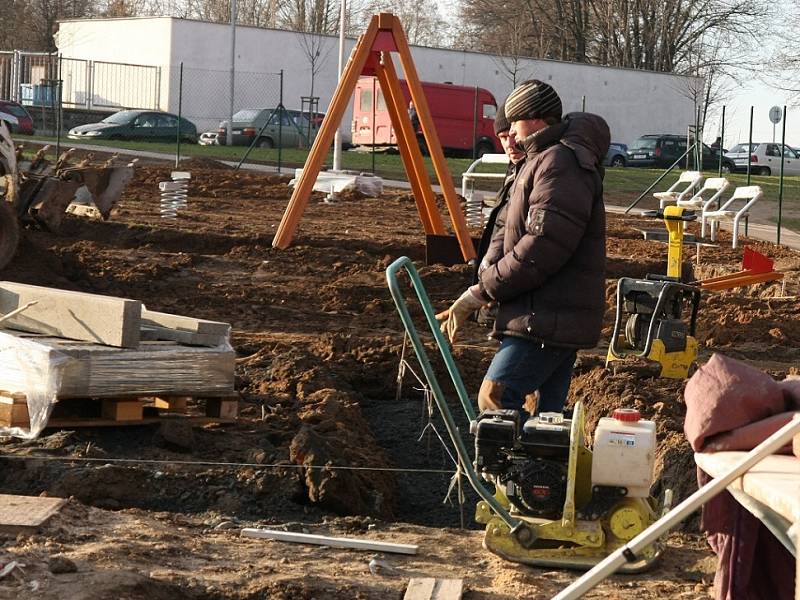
(634,102)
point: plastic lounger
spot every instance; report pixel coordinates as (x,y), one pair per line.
(748,195)
(690,180)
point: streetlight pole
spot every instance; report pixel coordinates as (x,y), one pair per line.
(229,137)
(337,139)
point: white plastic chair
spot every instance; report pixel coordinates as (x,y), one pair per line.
(474,204)
(673,194)
(728,212)
(717,185)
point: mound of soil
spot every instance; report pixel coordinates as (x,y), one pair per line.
(328,427)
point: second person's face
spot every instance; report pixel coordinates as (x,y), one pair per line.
(509,143)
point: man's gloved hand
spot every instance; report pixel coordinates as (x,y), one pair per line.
(453,318)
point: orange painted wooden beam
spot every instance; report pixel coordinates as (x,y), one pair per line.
(385,33)
(434,146)
(322,143)
(739,279)
(405,154)
(407,142)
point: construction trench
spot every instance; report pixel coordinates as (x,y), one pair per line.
(318,345)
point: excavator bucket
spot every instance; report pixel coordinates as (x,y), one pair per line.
(38,192)
(105,185)
(51,202)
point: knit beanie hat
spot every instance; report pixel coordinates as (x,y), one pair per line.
(501,124)
(533,99)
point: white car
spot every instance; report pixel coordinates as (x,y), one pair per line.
(208,138)
(765,159)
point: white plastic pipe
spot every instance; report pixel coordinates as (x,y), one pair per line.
(650,535)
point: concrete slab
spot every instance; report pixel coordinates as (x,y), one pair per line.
(151,318)
(73,315)
(25,514)
(152,333)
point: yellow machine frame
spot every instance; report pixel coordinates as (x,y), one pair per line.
(569,541)
(674,365)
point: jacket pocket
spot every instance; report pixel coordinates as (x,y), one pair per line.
(542,324)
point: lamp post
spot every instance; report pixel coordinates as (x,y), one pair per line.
(337,138)
(229,136)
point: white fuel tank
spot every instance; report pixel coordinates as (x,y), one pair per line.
(624,452)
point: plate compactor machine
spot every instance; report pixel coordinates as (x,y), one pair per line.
(659,312)
(555,502)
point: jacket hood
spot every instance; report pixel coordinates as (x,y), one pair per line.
(585,134)
(589,137)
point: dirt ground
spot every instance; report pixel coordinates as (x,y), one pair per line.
(319,342)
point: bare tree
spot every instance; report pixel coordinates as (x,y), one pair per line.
(421,19)
(316,52)
(509,58)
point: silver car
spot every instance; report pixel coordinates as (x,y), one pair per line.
(765,159)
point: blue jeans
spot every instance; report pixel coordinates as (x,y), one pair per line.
(521,367)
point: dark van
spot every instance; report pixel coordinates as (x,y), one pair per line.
(661,151)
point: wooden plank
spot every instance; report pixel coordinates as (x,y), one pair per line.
(25,514)
(122,410)
(84,210)
(223,408)
(152,333)
(14,410)
(428,588)
(72,423)
(334,542)
(151,318)
(774,481)
(172,403)
(73,315)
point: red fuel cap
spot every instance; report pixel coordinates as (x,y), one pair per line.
(630,415)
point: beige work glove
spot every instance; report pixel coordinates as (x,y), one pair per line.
(454,317)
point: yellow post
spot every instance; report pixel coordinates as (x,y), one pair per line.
(675,244)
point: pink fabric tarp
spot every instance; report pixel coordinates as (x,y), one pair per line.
(733,406)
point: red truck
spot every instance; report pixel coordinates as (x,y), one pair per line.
(464,116)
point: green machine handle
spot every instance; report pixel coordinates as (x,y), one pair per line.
(524,534)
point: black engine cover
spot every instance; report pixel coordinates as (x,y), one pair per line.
(539,488)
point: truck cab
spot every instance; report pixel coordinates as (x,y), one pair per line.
(463,116)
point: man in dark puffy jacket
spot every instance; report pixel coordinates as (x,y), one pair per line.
(549,280)
(488,252)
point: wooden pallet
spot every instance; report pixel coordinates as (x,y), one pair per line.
(13,410)
(106,412)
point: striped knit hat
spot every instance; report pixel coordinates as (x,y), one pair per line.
(533,99)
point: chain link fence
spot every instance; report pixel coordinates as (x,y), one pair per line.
(268,126)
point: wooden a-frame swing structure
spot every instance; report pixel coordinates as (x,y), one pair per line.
(372,56)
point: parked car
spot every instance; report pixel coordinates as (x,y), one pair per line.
(142,125)
(22,122)
(661,151)
(616,155)
(208,138)
(765,159)
(292,126)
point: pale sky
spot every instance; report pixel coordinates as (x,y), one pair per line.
(737,116)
